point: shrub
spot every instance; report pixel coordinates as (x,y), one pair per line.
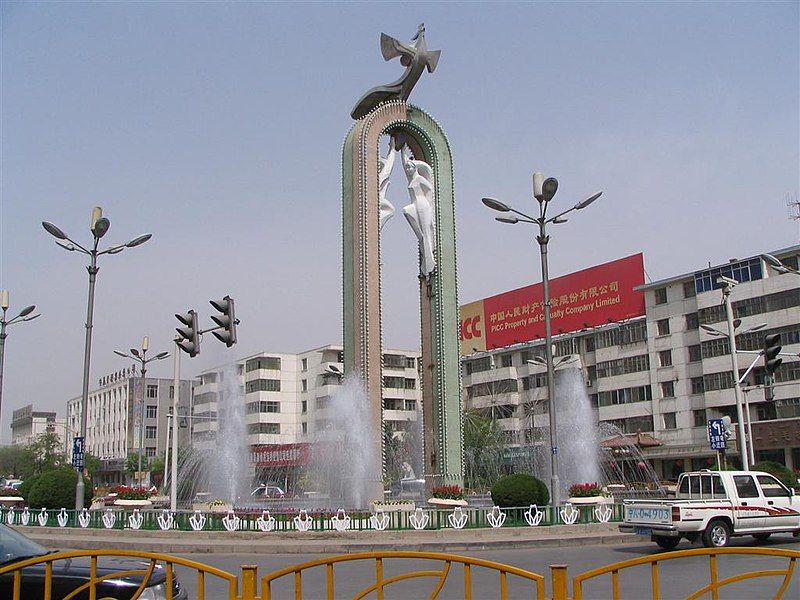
(520,489)
(448,492)
(585,490)
(783,474)
(56,489)
(25,488)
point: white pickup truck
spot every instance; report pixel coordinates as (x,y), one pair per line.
(716,505)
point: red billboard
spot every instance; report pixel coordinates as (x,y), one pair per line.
(280,455)
(587,298)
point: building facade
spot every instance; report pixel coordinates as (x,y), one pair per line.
(114,427)
(287,400)
(661,373)
(27,424)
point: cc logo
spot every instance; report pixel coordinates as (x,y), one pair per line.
(470,328)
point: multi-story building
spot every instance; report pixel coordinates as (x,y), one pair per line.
(114,427)
(287,399)
(27,424)
(661,373)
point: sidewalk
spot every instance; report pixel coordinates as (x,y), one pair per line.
(329,542)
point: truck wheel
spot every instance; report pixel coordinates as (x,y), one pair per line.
(667,543)
(761,537)
(717,534)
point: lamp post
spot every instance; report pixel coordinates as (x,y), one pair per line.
(24,315)
(543,191)
(141,358)
(99,227)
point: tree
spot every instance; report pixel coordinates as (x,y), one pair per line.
(17,462)
(157,470)
(483,450)
(47,451)
(55,489)
(92,464)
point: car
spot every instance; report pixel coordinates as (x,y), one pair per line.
(70,574)
(267,491)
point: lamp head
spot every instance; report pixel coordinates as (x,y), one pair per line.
(588,201)
(135,352)
(27,310)
(139,240)
(495,204)
(53,230)
(549,189)
(100,227)
(162,355)
(510,220)
(4,299)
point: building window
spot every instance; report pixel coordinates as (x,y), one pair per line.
(410,383)
(150,452)
(667,389)
(171,392)
(304,383)
(624,396)
(263,385)
(700,418)
(150,432)
(629,333)
(662,326)
(633,424)
(718,381)
(304,364)
(689,290)
(746,270)
(394,361)
(588,343)
(152,391)
(263,406)
(623,366)
(304,426)
(766,411)
(272,363)
(478,365)
(492,388)
(695,353)
(152,412)
(591,372)
(670,421)
(505,360)
(788,408)
(692,321)
(304,406)
(269,428)
(665,358)
(661,295)
(698,385)
(411,405)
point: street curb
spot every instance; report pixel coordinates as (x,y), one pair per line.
(220,542)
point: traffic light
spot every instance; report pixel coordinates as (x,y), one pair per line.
(226,320)
(190,334)
(771,362)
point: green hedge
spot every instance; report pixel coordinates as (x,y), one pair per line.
(56,489)
(520,489)
(782,473)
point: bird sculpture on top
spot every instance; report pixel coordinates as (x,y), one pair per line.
(415,58)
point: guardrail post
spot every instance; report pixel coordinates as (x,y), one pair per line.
(560,581)
(249,582)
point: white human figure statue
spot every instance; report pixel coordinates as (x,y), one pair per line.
(420,214)
(386,164)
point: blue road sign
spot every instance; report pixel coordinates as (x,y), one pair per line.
(78,456)
(716,434)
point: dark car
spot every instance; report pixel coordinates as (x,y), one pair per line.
(70,574)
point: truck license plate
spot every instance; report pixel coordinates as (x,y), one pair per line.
(643,530)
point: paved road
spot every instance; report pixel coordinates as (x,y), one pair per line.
(678,578)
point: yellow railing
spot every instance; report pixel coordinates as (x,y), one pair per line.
(439,576)
(713,587)
(249,574)
(145,572)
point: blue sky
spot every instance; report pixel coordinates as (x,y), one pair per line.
(218,128)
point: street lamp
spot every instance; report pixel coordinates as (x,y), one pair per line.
(776,264)
(543,191)
(141,358)
(24,315)
(99,227)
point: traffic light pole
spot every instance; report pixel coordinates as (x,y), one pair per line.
(173,489)
(747,409)
(737,388)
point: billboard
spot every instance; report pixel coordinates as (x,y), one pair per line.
(587,298)
(280,455)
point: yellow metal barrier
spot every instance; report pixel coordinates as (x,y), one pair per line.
(439,576)
(713,587)
(154,558)
(249,576)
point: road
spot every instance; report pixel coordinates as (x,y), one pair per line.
(679,578)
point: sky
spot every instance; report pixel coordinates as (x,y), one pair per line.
(218,128)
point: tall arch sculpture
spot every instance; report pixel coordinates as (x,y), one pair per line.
(439,369)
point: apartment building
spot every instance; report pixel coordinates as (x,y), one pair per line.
(660,372)
(27,424)
(288,400)
(114,425)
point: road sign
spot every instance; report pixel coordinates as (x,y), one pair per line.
(78,453)
(716,434)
